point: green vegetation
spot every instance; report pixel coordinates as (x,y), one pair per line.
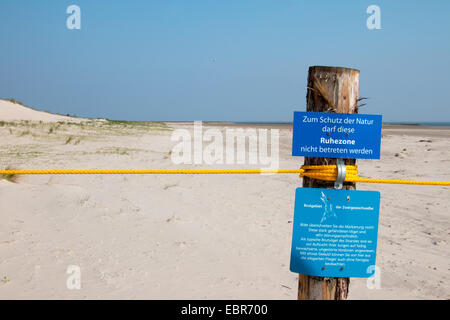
(147,124)
(24,133)
(9,177)
(7,124)
(34,139)
(15,101)
(69,139)
(119,150)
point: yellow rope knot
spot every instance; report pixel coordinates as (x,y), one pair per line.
(329,173)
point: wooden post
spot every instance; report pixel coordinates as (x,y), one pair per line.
(330,89)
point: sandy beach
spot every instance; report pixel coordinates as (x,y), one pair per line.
(196,236)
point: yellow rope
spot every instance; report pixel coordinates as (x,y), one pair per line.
(238,171)
(320,172)
(329,173)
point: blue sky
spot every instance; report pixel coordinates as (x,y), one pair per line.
(222,60)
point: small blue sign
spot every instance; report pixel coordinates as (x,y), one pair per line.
(336,135)
(335,232)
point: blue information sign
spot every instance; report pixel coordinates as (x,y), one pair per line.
(335,232)
(336,135)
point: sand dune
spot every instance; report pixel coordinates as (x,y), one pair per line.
(13,111)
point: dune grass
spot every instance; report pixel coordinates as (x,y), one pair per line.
(69,139)
(24,133)
(9,177)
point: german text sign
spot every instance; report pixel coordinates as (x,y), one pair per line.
(336,135)
(335,232)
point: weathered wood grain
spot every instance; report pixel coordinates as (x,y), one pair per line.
(330,89)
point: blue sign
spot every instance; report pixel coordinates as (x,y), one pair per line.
(336,135)
(335,232)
